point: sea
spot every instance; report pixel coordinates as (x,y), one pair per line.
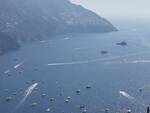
(70,73)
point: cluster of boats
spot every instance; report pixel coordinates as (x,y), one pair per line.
(123,43)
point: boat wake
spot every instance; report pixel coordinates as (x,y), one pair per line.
(137,61)
(98,60)
(125,94)
(18,65)
(131,98)
(28,92)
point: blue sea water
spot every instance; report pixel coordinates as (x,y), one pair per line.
(75,61)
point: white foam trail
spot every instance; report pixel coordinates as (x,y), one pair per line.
(28,92)
(125,94)
(95,60)
(131,98)
(77,48)
(18,65)
(43,41)
(7,71)
(67,38)
(138,61)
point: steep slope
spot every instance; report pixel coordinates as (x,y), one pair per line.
(26,20)
(35,19)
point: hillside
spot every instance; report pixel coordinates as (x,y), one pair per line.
(28,20)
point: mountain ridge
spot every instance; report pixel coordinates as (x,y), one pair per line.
(29,20)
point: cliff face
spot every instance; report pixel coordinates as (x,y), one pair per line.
(26,20)
(35,19)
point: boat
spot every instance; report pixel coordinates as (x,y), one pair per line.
(123,43)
